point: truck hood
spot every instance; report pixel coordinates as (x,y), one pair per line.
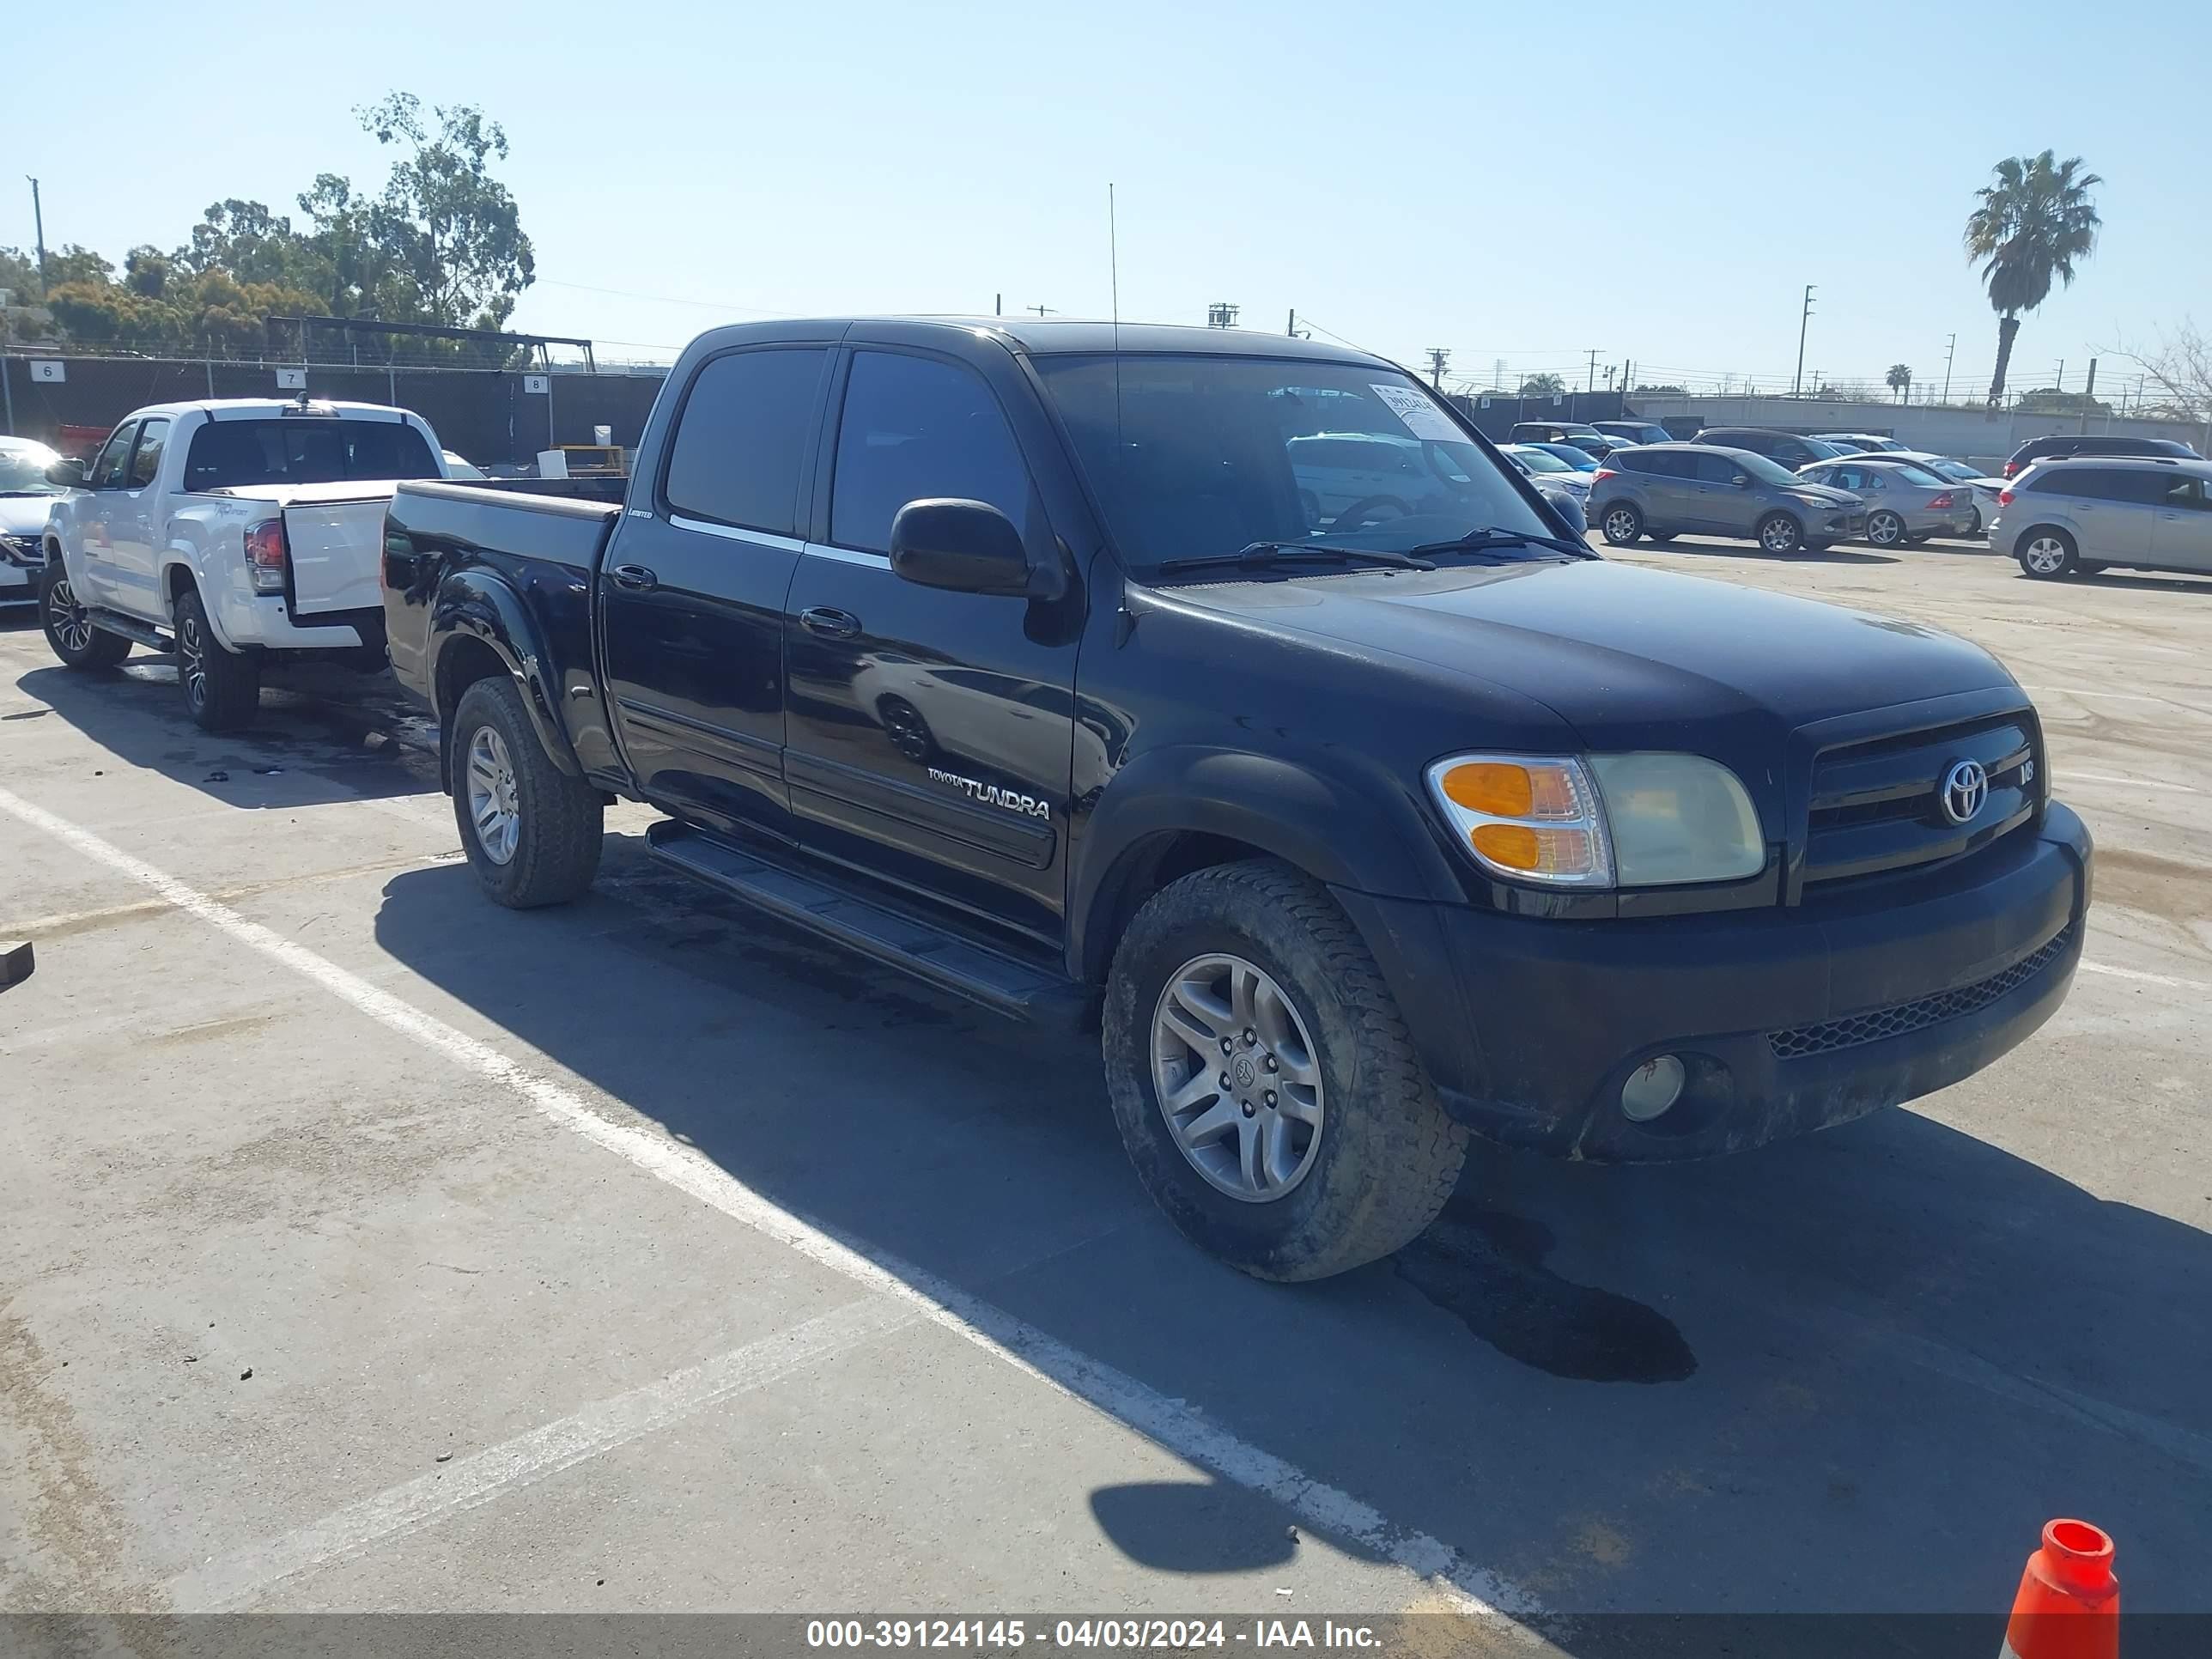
(1629,657)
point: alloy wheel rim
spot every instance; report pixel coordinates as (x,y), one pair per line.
(1238,1079)
(1620,525)
(192,660)
(2046,556)
(72,626)
(1884,529)
(494,807)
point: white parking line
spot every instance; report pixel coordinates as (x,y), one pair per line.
(1169,1422)
(2069,773)
(2147,979)
(232,1579)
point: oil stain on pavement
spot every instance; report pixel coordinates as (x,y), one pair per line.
(1487,1268)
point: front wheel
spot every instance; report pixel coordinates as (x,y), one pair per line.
(531,832)
(1263,1079)
(1884,529)
(221,687)
(2046,554)
(68,626)
(1621,524)
(1780,533)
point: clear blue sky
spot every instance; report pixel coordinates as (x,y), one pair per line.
(1657,183)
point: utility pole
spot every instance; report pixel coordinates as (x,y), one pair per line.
(1949,351)
(1591,385)
(998,305)
(1497,373)
(2088,395)
(1797,386)
(38,222)
(1290,328)
(1040,310)
(1438,356)
(1221,314)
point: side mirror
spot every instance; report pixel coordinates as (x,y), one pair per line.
(969,547)
(69,474)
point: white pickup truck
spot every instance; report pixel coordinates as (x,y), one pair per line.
(240,533)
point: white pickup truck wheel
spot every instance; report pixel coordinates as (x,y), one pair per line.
(221,687)
(68,626)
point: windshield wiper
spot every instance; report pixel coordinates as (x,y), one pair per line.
(1262,556)
(1490,536)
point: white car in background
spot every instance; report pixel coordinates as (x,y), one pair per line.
(240,533)
(27,497)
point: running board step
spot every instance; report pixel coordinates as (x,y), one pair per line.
(114,622)
(929,953)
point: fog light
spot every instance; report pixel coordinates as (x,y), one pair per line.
(1652,1088)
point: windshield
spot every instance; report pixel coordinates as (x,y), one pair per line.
(1200,456)
(1540,460)
(1915,474)
(1957,471)
(301,449)
(23,471)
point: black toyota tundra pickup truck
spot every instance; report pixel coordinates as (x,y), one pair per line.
(1088,674)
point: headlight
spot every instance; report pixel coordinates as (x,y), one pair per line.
(1612,820)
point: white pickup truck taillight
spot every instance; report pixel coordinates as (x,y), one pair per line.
(268,556)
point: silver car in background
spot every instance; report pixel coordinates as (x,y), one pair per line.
(1547,471)
(2147,513)
(1906,503)
(1986,487)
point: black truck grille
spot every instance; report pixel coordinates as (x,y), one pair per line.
(1900,1018)
(1878,806)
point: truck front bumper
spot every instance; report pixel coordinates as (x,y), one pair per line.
(1785,1020)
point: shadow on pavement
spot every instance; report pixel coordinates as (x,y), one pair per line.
(321,734)
(1751,549)
(1853,1372)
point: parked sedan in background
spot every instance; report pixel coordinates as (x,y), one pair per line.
(1986,488)
(1635,432)
(1905,503)
(1660,490)
(1860,443)
(1786,449)
(26,496)
(1574,455)
(1550,473)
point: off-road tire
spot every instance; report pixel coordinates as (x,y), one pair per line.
(222,687)
(98,652)
(1389,1154)
(562,818)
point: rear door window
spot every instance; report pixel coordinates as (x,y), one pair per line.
(914,428)
(741,438)
(146,458)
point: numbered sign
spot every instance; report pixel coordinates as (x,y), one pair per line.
(291,379)
(538,384)
(49,372)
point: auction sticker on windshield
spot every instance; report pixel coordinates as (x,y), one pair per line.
(1422,418)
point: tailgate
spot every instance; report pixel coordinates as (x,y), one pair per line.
(337,549)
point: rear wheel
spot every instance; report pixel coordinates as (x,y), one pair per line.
(2046,553)
(531,832)
(68,626)
(1884,529)
(221,687)
(1263,1079)
(1621,524)
(1780,533)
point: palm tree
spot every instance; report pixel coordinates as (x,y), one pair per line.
(1899,378)
(2034,224)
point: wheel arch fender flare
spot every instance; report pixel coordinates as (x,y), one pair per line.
(472,607)
(1345,831)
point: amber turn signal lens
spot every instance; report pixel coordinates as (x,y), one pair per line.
(1492,788)
(1542,852)
(1509,844)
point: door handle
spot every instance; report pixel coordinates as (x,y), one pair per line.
(634,576)
(830,624)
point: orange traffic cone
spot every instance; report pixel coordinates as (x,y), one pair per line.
(2069,1603)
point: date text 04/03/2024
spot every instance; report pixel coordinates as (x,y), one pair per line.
(1148,1634)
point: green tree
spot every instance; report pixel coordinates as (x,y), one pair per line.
(1543,386)
(2035,222)
(1899,378)
(451,229)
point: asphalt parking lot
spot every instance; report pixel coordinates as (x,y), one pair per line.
(368,1247)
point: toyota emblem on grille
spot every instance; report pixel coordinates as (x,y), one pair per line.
(1965,786)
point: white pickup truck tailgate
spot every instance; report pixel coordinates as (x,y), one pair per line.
(338,552)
